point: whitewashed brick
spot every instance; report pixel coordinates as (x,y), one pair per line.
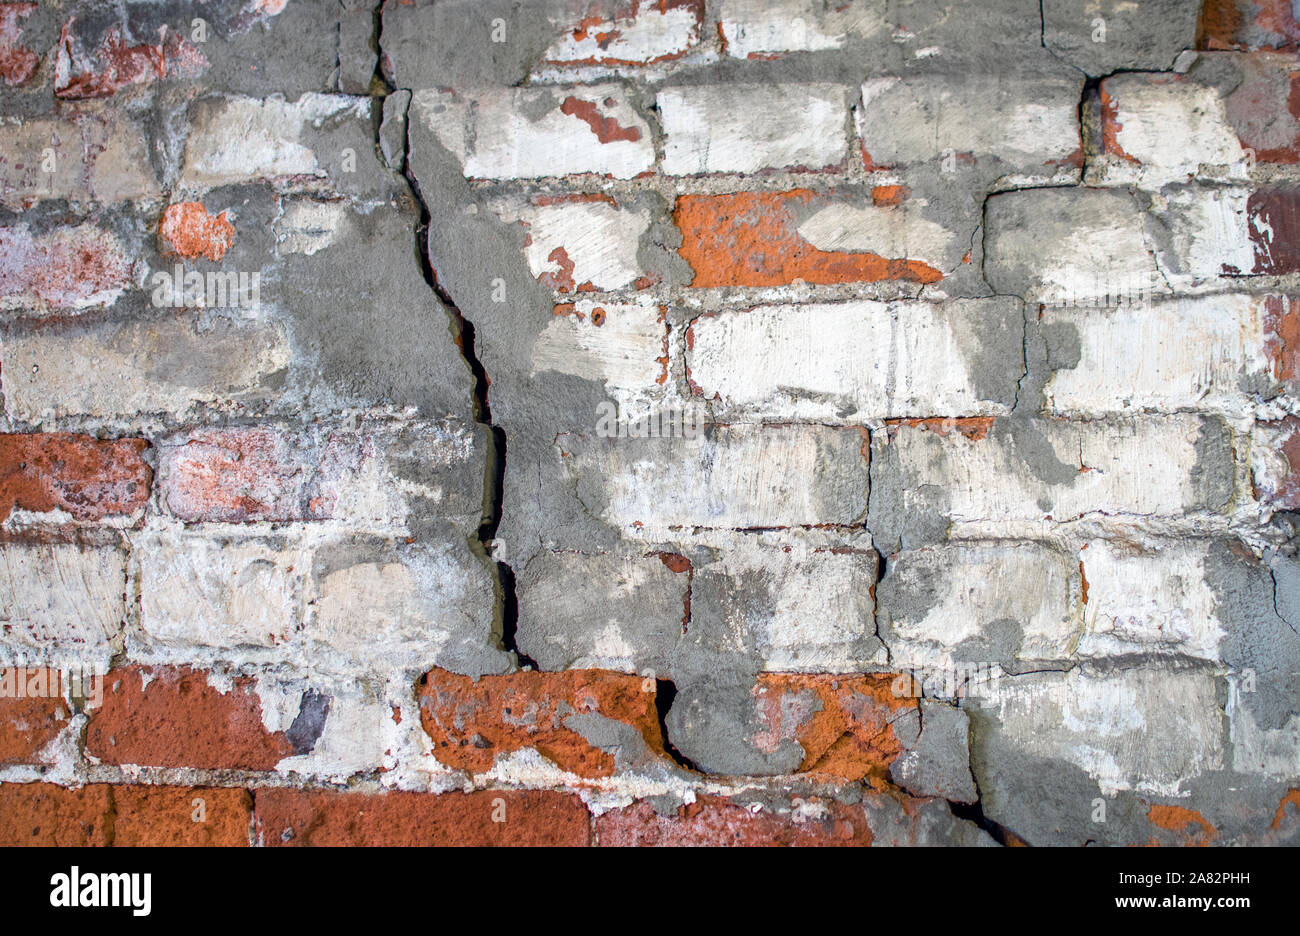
(402,609)
(359,734)
(745,128)
(1164,128)
(61,604)
(201,591)
(1064,246)
(1160,466)
(1147,730)
(624,345)
(730,477)
(374,477)
(894,231)
(587,243)
(129,368)
(1028,125)
(1275,462)
(240,139)
(1148,602)
(1209,233)
(766,27)
(979,603)
(861,359)
(1203,353)
(648,31)
(539,131)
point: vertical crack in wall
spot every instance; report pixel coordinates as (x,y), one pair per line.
(506,611)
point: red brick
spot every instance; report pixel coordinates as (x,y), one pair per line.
(45,814)
(1273,217)
(1248,24)
(843,723)
(1282,336)
(297,817)
(116,64)
(473,722)
(29,723)
(241,475)
(751,239)
(17,63)
(166,815)
(66,268)
(88,478)
(180,720)
(262,473)
(714,821)
(187,230)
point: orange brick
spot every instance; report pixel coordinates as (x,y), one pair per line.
(843,723)
(45,814)
(170,815)
(485,817)
(472,722)
(751,239)
(179,720)
(29,723)
(187,230)
(87,477)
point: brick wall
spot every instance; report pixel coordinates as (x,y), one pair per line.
(650,422)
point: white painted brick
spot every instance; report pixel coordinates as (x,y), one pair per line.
(649,31)
(401,609)
(860,359)
(1148,602)
(131,368)
(61,604)
(1147,466)
(1274,460)
(1170,129)
(1066,246)
(765,27)
(799,601)
(745,128)
(525,132)
(198,590)
(896,231)
(247,139)
(580,243)
(374,477)
(730,477)
(627,350)
(360,734)
(936,599)
(1146,730)
(1203,353)
(1028,124)
(1209,233)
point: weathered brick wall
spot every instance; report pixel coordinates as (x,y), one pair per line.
(650,421)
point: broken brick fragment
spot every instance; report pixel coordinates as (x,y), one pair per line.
(473,722)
